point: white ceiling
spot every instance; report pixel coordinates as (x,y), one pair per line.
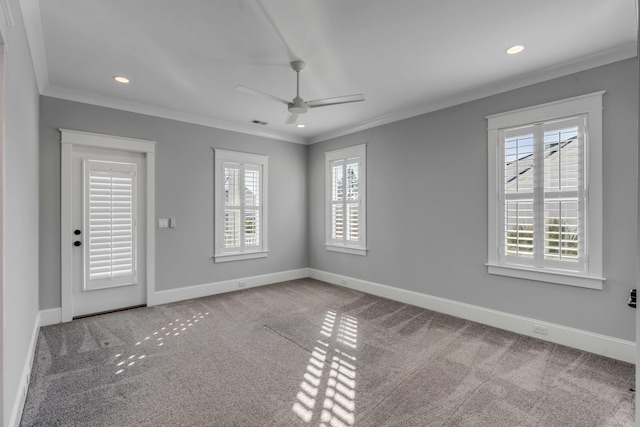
(408,57)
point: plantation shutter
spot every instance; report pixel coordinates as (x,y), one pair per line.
(337,200)
(232,205)
(519,169)
(564,191)
(345,200)
(242,207)
(543,194)
(252,214)
(109,224)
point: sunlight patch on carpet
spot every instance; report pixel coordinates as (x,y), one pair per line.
(339,336)
(173,326)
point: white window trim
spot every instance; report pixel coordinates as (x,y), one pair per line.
(221,156)
(590,104)
(342,154)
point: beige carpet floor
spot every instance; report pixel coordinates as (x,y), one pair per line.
(306,353)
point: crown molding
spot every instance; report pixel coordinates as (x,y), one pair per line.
(165,113)
(609,56)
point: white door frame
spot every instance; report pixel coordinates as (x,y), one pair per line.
(2,204)
(70,139)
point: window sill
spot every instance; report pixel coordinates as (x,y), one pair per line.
(569,279)
(238,257)
(346,249)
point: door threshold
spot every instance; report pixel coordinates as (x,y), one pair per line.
(108,311)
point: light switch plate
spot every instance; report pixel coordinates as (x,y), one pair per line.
(172,222)
(163,223)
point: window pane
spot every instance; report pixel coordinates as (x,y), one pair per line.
(518,162)
(232,228)
(337,182)
(252,227)
(561,230)
(231,184)
(337,222)
(562,165)
(252,185)
(352,181)
(353,224)
(519,228)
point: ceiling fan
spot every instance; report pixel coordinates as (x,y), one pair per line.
(298,105)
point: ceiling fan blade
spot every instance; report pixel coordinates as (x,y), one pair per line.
(257,92)
(336,100)
(292,119)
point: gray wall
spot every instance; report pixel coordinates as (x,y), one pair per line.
(435,168)
(184,190)
(20,209)
(435,165)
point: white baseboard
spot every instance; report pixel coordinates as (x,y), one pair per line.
(21,393)
(570,337)
(207,289)
(44,318)
(51,316)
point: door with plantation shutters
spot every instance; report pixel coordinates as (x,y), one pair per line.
(108,222)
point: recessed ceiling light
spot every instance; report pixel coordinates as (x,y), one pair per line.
(121,79)
(300,125)
(516,48)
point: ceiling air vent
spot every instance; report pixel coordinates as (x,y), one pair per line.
(259,122)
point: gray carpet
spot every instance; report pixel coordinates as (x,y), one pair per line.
(306,353)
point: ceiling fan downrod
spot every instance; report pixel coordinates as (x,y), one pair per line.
(298,106)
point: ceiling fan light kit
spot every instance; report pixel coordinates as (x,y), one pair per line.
(298,105)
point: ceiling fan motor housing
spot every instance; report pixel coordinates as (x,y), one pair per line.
(298,106)
(297,66)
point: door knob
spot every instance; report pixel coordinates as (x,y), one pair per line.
(632,299)
(77,232)
(77,243)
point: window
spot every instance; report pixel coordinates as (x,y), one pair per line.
(545,192)
(240,184)
(346,200)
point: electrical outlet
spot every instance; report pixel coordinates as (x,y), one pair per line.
(242,284)
(163,223)
(539,329)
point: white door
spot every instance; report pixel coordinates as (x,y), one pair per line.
(108,226)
